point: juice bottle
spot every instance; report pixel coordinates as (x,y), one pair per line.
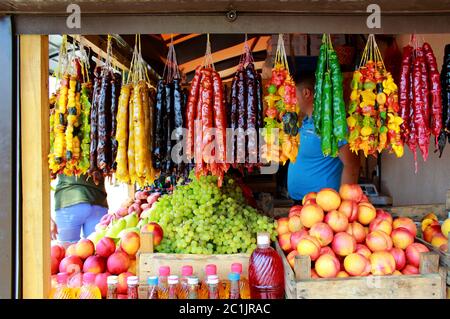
(265,271)
(210,270)
(132,283)
(112,282)
(152,287)
(235,293)
(173,287)
(213,287)
(186,271)
(89,290)
(192,287)
(245,288)
(163,291)
(62,290)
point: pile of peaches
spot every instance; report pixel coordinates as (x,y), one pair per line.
(345,235)
(434,233)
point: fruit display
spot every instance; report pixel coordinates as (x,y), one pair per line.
(373,121)
(345,236)
(329,108)
(444,136)
(246,113)
(420,98)
(206,121)
(435,233)
(202,218)
(281,112)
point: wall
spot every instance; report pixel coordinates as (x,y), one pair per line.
(430,184)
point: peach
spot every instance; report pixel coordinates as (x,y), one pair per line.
(122,286)
(84,248)
(118,262)
(285,242)
(350,209)
(132,267)
(378,241)
(413,252)
(327,266)
(337,221)
(282,225)
(343,244)
(355,264)
(100,282)
(430,231)
(71,264)
(381,214)
(314,274)
(291,258)
(382,263)
(407,223)
(294,223)
(439,240)
(105,247)
(311,214)
(326,250)
(402,238)
(58,252)
(342,274)
(328,199)
(323,233)
(366,213)
(357,231)
(397,273)
(71,251)
(431,216)
(309,196)
(157,231)
(380,224)
(400,258)
(296,236)
(130,243)
(351,192)
(94,264)
(295,210)
(309,246)
(410,270)
(363,250)
(428,222)
(445,228)
(54,265)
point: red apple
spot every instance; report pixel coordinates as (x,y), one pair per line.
(105,247)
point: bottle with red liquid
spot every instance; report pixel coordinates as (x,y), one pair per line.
(265,271)
(186,271)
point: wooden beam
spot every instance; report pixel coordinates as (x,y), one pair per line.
(34,110)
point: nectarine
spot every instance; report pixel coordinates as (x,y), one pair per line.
(405,222)
(311,214)
(337,221)
(327,266)
(351,192)
(328,199)
(322,232)
(402,237)
(343,244)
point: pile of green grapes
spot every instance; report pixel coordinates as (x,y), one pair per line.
(201,218)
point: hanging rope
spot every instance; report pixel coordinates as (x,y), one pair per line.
(208,60)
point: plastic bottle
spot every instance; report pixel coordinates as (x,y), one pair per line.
(163,291)
(186,271)
(152,282)
(213,287)
(193,287)
(210,270)
(265,271)
(132,283)
(112,282)
(62,290)
(235,293)
(245,288)
(89,290)
(173,287)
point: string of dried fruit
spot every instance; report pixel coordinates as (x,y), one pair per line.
(445,84)
(86,91)
(122,135)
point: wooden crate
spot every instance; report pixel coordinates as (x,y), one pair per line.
(149,262)
(444,258)
(427,285)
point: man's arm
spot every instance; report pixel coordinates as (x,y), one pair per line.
(351,164)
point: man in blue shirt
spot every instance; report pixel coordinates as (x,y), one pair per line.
(312,171)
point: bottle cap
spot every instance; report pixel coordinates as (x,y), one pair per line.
(213,279)
(164,271)
(187,271)
(192,281)
(263,239)
(62,277)
(152,280)
(234,276)
(172,280)
(112,280)
(211,269)
(132,280)
(89,277)
(236,267)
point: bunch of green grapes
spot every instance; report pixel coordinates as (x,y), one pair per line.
(201,218)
